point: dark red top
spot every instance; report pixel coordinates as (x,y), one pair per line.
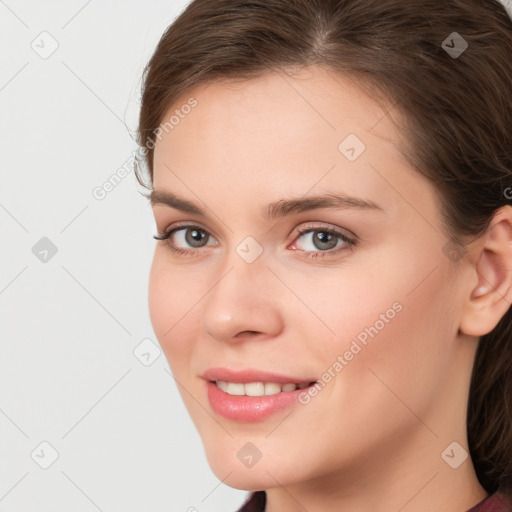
(495,503)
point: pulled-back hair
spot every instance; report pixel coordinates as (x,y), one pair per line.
(456,112)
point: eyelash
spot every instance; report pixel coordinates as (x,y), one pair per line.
(350,241)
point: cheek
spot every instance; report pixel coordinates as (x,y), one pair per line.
(172,297)
(404,293)
(159,302)
(396,335)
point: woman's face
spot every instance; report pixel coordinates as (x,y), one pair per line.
(365,301)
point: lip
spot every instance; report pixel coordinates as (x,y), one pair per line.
(252,375)
(244,408)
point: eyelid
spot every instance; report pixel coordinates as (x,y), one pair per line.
(310,226)
(187,224)
(300,230)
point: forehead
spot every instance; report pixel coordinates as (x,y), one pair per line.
(309,109)
(317,97)
(287,132)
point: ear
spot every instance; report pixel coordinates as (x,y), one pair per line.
(490,299)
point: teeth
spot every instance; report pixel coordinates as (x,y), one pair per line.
(257,388)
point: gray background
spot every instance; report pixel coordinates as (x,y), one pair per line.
(70,321)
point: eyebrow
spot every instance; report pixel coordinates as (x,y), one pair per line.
(275,210)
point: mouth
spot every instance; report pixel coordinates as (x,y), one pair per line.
(254,400)
(259,388)
(253,395)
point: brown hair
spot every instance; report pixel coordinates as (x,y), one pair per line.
(457,121)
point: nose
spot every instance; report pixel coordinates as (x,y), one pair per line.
(244,303)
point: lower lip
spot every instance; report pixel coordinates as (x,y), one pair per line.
(247,409)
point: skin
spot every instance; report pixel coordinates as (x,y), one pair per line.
(372,439)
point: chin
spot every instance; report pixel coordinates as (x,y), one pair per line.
(263,474)
(246,480)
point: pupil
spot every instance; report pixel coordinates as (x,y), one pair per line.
(321,238)
(194,237)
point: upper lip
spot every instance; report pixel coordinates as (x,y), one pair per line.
(251,375)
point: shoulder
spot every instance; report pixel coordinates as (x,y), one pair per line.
(497,502)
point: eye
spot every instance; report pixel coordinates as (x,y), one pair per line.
(193,236)
(318,241)
(185,239)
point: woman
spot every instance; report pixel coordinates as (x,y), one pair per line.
(331,185)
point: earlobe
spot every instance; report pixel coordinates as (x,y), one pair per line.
(491,297)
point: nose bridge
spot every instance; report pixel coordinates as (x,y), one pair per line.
(241,299)
(244,265)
